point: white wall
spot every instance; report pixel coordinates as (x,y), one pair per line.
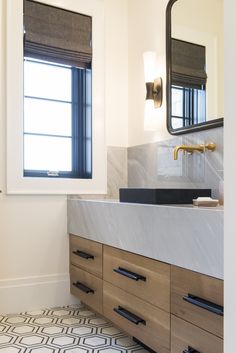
(116,96)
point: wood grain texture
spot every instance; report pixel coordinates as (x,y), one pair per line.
(93,266)
(184,334)
(156,288)
(184,282)
(94,300)
(156,332)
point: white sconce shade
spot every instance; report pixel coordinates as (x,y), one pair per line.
(149,60)
(150,116)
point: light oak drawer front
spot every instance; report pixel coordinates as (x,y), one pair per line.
(198,299)
(185,336)
(139,319)
(86,287)
(86,254)
(146,278)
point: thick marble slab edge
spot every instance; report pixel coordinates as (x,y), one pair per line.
(188,237)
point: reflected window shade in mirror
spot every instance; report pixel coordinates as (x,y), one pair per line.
(61,35)
(188,83)
(188,64)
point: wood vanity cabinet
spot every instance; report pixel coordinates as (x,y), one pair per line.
(198,299)
(146,278)
(169,309)
(86,271)
(86,254)
(196,312)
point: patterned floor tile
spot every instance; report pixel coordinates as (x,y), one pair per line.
(72,329)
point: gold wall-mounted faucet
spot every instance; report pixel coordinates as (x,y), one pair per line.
(190,149)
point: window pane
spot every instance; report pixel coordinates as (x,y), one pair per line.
(201,105)
(177,102)
(47,81)
(47,117)
(176,123)
(47,153)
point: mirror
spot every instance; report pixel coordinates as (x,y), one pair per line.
(195,65)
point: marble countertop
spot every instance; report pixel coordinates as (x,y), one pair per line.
(183,235)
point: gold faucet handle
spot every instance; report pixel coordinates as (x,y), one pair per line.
(211,146)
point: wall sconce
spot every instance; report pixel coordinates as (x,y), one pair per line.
(153,91)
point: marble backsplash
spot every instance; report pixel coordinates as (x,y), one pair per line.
(152,165)
(117,174)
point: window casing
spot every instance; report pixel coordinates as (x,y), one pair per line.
(15,182)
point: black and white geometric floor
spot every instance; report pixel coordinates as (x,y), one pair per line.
(72,329)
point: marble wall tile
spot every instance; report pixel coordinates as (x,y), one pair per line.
(117,174)
(152,165)
(117,170)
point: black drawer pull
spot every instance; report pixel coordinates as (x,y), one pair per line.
(129,316)
(129,274)
(83,254)
(83,288)
(204,304)
(190,350)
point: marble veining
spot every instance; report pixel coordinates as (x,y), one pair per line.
(188,237)
(152,165)
(117,174)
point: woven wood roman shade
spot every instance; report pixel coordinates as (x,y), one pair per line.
(188,64)
(57,35)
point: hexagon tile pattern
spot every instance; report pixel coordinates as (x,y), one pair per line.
(71,329)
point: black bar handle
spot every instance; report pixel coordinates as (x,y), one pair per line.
(129,316)
(190,350)
(83,254)
(204,304)
(129,274)
(83,287)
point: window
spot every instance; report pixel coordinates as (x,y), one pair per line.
(57,93)
(88,56)
(188,106)
(57,120)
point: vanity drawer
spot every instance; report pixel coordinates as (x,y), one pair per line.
(146,278)
(198,299)
(147,323)
(86,254)
(86,287)
(184,335)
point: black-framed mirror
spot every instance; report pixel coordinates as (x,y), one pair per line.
(195,65)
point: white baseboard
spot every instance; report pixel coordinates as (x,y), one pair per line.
(34,293)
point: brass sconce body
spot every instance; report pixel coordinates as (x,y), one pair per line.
(190,149)
(154,91)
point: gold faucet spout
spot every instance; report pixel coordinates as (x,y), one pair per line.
(190,149)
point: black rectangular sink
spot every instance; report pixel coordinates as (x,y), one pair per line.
(162,196)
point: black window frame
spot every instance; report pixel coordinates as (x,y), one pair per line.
(189,104)
(81,105)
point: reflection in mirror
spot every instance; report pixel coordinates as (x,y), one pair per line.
(195,59)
